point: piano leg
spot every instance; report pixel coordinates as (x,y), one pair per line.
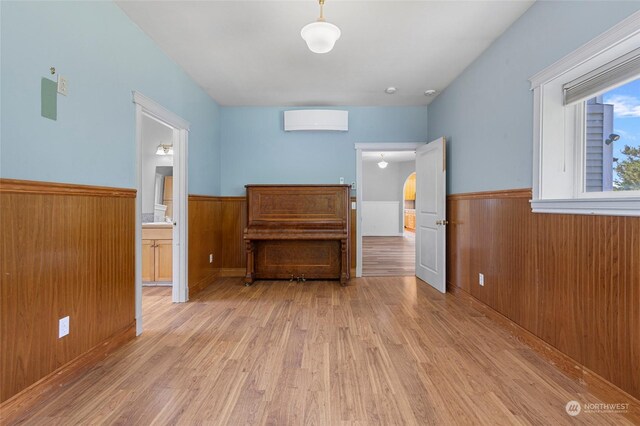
(344,264)
(249,277)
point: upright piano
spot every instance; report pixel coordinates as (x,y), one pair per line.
(297,232)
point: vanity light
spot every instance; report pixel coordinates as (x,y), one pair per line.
(164,149)
(382,164)
(320,36)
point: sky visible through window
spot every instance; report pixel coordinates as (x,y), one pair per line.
(626,123)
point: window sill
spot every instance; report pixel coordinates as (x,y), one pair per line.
(593,206)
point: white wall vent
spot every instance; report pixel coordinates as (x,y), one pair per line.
(316,119)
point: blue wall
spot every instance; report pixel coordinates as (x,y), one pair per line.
(105,56)
(487,112)
(256,149)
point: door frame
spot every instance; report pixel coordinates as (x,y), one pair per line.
(145,106)
(367,147)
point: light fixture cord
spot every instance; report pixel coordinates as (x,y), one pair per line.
(321,18)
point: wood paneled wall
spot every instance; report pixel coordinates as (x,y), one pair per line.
(205,235)
(571,280)
(233,221)
(66,250)
(216,226)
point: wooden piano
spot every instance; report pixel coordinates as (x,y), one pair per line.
(297,232)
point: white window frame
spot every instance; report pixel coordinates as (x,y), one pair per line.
(558,131)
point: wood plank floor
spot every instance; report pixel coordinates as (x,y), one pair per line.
(389,256)
(380,351)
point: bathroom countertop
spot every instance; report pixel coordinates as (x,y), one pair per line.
(157,225)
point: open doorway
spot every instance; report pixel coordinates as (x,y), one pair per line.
(388,240)
(157,212)
(161,206)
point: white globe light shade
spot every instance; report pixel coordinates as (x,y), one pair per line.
(382,164)
(320,36)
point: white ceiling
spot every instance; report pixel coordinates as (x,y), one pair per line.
(389,156)
(251,53)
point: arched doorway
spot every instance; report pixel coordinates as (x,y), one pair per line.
(409,203)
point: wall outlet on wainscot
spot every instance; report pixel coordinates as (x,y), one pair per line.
(341,181)
(63,327)
(481,279)
(210,257)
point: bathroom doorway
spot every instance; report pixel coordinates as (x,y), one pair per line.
(161,208)
(157,211)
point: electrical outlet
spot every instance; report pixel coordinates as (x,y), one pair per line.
(481,279)
(354,205)
(63,327)
(353,185)
(341,181)
(210,257)
(63,85)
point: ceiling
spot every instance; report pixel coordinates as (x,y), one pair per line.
(389,156)
(251,53)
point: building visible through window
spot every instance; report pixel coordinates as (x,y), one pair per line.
(612,140)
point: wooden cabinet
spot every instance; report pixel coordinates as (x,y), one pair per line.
(410,219)
(410,188)
(163,255)
(148,260)
(157,254)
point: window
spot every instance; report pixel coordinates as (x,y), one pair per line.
(587,127)
(612,140)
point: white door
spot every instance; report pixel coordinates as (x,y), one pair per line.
(430,214)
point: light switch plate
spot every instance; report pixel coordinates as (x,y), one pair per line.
(63,85)
(481,279)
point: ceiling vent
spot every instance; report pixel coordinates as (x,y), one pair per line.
(316,119)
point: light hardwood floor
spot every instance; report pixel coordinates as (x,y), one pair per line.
(314,353)
(389,256)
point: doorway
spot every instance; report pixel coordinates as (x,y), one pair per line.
(367,158)
(430,206)
(161,205)
(157,192)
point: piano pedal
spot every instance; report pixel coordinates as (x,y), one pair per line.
(303,279)
(291,279)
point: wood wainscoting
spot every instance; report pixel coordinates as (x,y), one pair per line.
(205,234)
(67,250)
(216,225)
(571,280)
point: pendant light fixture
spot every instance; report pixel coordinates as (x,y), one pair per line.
(320,36)
(382,164)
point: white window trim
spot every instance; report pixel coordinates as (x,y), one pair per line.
(557,184)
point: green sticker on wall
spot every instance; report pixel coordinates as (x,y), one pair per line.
(49,99)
